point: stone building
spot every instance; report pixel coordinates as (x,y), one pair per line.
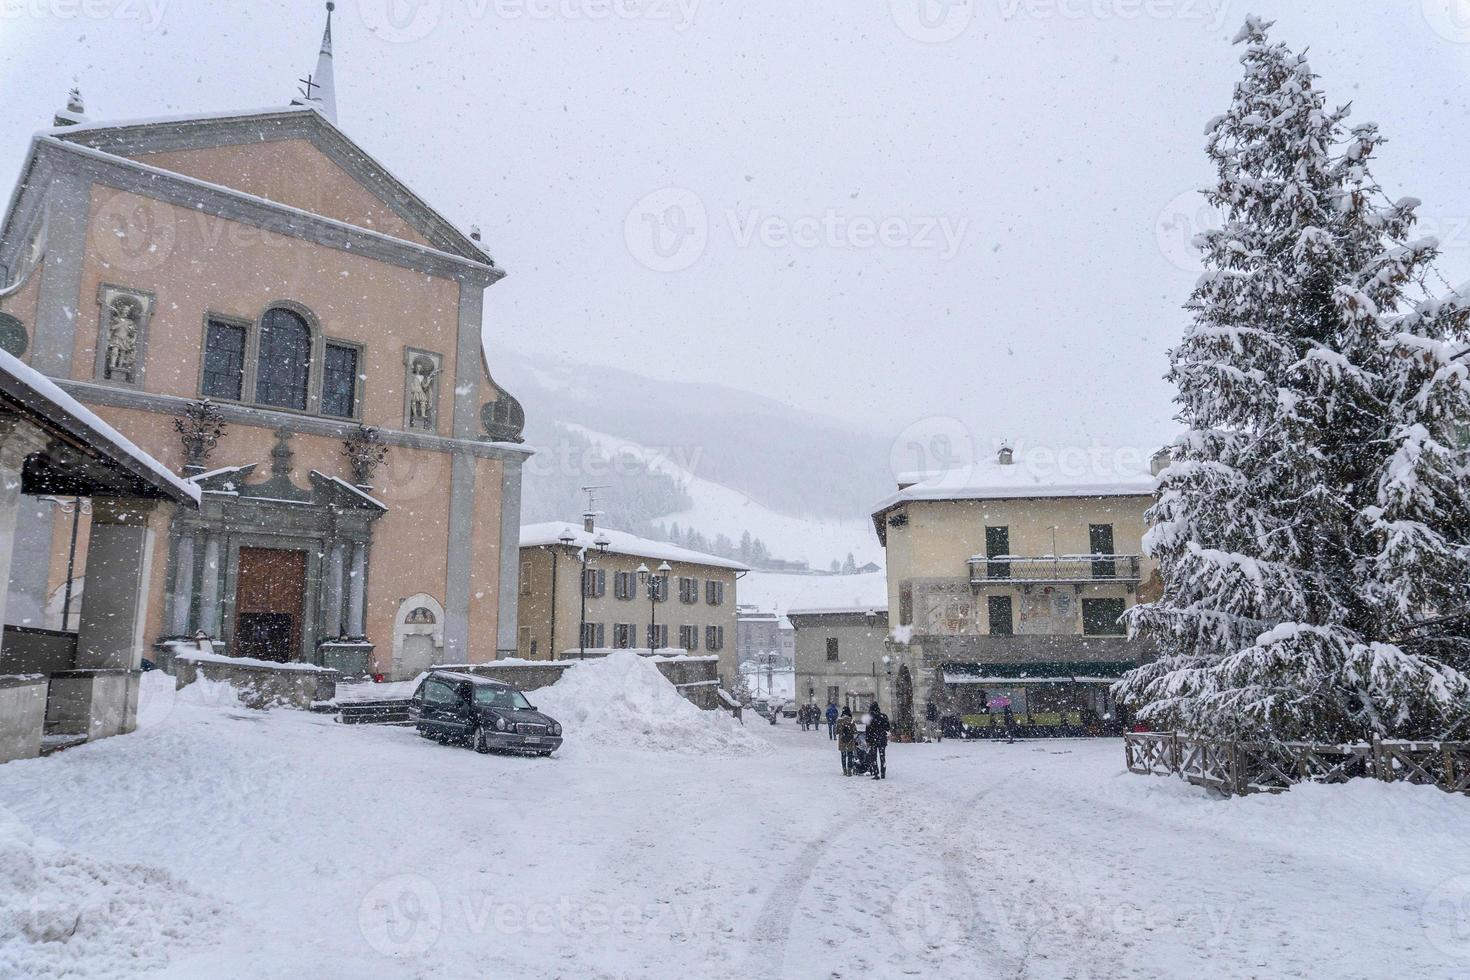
(632,593)
(360,470)
(760,632)
(1006,582)
(843,657)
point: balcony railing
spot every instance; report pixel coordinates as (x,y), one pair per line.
(1013,569)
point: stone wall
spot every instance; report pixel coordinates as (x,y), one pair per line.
(261,685)
(27,650)
(22,716)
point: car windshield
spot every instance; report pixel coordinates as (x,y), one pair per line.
(489,696)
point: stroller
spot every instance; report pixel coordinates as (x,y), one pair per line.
(863,760)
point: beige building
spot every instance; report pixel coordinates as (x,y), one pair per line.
(265,262)
(638,594)
(1006,583)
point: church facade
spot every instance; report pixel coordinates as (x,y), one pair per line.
(256,302)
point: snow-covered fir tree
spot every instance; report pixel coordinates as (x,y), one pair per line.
(1313,530)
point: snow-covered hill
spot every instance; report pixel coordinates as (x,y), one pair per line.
(718,509)
(710,458)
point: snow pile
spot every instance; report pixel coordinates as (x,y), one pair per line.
(623,701)
(62,914)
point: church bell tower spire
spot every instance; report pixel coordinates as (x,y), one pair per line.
(319,89)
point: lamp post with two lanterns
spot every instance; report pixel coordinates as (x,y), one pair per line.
(601,543)
(650,581)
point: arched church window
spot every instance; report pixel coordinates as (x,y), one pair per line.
(284,367)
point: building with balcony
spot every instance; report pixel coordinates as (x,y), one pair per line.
(1006,585)
(586,590)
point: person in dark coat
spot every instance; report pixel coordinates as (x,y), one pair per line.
(831,720)
(846,741)
(878,728)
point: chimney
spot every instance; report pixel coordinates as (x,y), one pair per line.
(75,111)
(589,522)
(1006,456)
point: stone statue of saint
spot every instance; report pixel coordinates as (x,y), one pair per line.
(122,338)
(421,393)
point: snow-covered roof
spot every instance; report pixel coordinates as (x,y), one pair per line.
(1032,475)
(840,611)
(53,410)
(779,592)
(621,543)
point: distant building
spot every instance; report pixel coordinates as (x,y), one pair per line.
(785,565)
(1006,584)
(842,658)
(693,607)
(759,632)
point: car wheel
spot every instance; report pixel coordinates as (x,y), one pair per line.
(481,745)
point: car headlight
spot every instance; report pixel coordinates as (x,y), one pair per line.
(500,724)
(555,728)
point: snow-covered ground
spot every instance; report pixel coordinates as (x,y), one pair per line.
(224,842)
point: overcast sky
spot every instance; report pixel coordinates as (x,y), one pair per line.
(899,213)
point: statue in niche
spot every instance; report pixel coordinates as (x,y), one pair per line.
(124,323)
(421,375)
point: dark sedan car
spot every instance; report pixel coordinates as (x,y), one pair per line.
(489,715)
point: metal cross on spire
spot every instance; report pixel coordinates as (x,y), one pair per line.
(319,88)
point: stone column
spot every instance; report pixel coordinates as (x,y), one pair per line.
(357,589)
(100,697)
(114,603)
(332,615)
(18,439)
(209,586)
(183,593)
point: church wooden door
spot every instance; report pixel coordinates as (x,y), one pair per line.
(269,601)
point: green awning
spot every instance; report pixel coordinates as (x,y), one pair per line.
(1039,671)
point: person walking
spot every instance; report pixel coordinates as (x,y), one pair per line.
(832,719)
(878,729)
(846,741)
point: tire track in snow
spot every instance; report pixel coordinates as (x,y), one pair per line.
(772,930)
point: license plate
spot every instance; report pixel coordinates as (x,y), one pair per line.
(533,739)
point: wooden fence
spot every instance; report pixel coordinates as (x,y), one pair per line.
(1236,768)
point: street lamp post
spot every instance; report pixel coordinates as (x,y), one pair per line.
(601,543)
(650,581)
(74,509)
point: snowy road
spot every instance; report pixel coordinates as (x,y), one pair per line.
(293,846)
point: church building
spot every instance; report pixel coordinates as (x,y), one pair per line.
(256,302)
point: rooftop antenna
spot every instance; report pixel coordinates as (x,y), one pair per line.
(590,515)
